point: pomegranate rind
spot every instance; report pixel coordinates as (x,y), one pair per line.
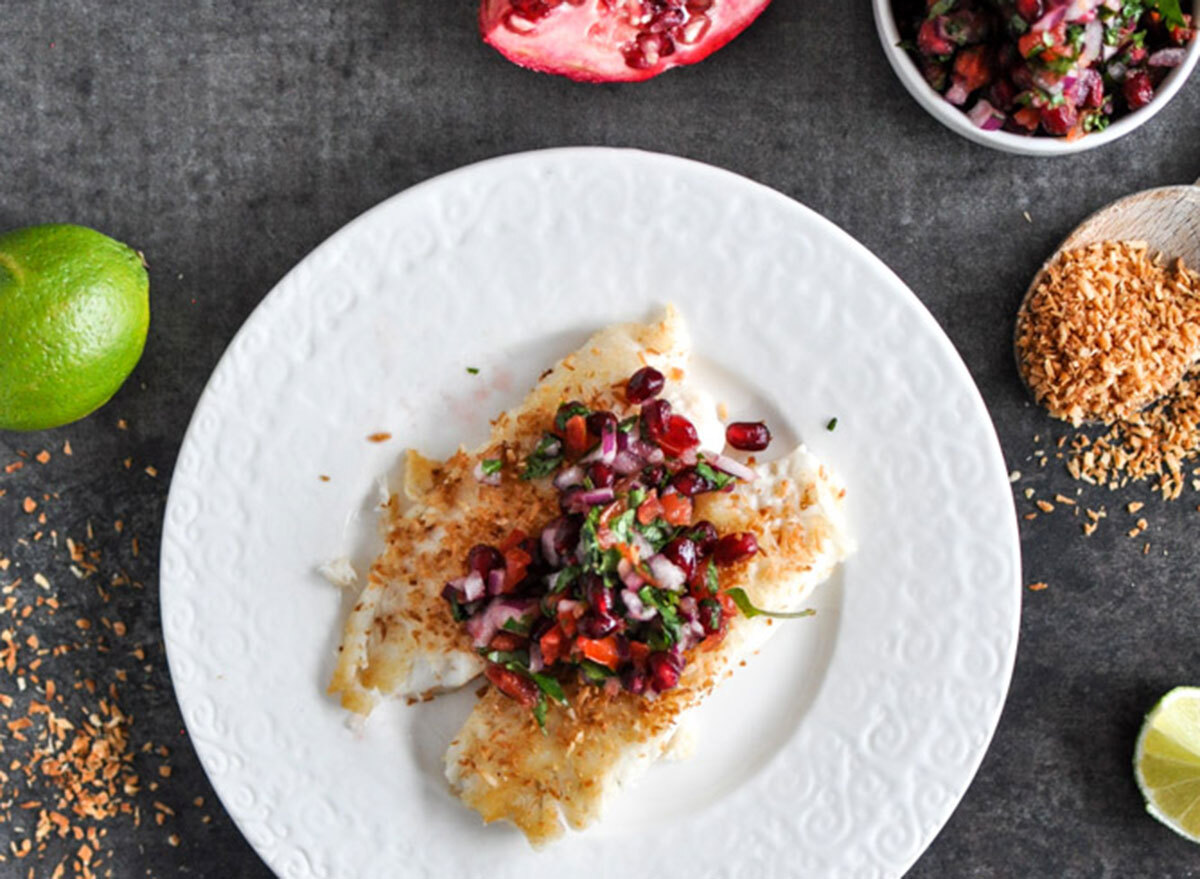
(559,44)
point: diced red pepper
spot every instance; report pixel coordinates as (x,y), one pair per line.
(600,650)
(554,645)
(506,641)
(576,434)
(974,66)
(650,509)
(638,651)
(516,563)
(513,539)
(513,685)
(676,509)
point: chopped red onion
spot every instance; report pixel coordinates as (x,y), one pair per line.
(606,449)
(495,581)
(957,93)
(536,662)
(984,115)
(666,573)
(564,479)
(635,608)
(484,625)
(627,462)
(596,496)
(473,586)
(1050,20)
(732,466)
(1167,58)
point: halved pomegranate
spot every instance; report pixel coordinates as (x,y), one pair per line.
(612,40)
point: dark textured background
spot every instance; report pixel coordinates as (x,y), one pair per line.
(227,139)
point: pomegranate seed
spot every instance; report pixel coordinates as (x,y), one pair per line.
(704,533)
(682,553)
(518,23)
(695,6)
(734,547)
(1059,120)
(679,437)
(653,475)
(749,436)
(599,596)
(483,559)
(689,482)
(694,31)
(1030,10)
(597,421)
(644,384)
(633,680)
(593,625)
(1138,90)
(664,671)
(665,20)
(601,474)
(656,417)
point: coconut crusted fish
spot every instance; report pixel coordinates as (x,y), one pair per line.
(503,766)
(400,639)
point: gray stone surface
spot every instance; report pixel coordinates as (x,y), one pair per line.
(225,140)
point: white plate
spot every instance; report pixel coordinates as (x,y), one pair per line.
(840,751)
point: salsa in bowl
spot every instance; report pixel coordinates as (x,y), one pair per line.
(1040,77)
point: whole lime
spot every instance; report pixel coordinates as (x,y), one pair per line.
(74,311)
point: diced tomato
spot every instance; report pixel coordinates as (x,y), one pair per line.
(974,66)
(513,685)
(513,539)
(1028,43)
(576,434)
(507,641)
(1028,117)
(516,563)
(677,509)
(650,509)
(600,650)
(554,645)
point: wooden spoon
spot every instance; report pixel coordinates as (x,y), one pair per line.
(1167,219)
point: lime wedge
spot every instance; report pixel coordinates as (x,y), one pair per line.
(1166,761)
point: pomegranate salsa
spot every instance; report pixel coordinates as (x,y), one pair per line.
(618,589)
(1062,68)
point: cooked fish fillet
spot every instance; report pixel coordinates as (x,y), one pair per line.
(400,638)
(505,768)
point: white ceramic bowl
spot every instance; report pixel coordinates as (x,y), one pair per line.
(956,120)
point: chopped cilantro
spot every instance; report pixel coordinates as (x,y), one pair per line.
(941,8)
(458,611)
(516,625)
(634,498)
(545,458)
(628,424)
(491,466)
(1171,12)
(658,534)
(539,712)
(664,602)
(742,600)
(595,672)
(622,526)
(711,580)
(717,477)
(710,614)
(832,425)
(550,687)
(474,370)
